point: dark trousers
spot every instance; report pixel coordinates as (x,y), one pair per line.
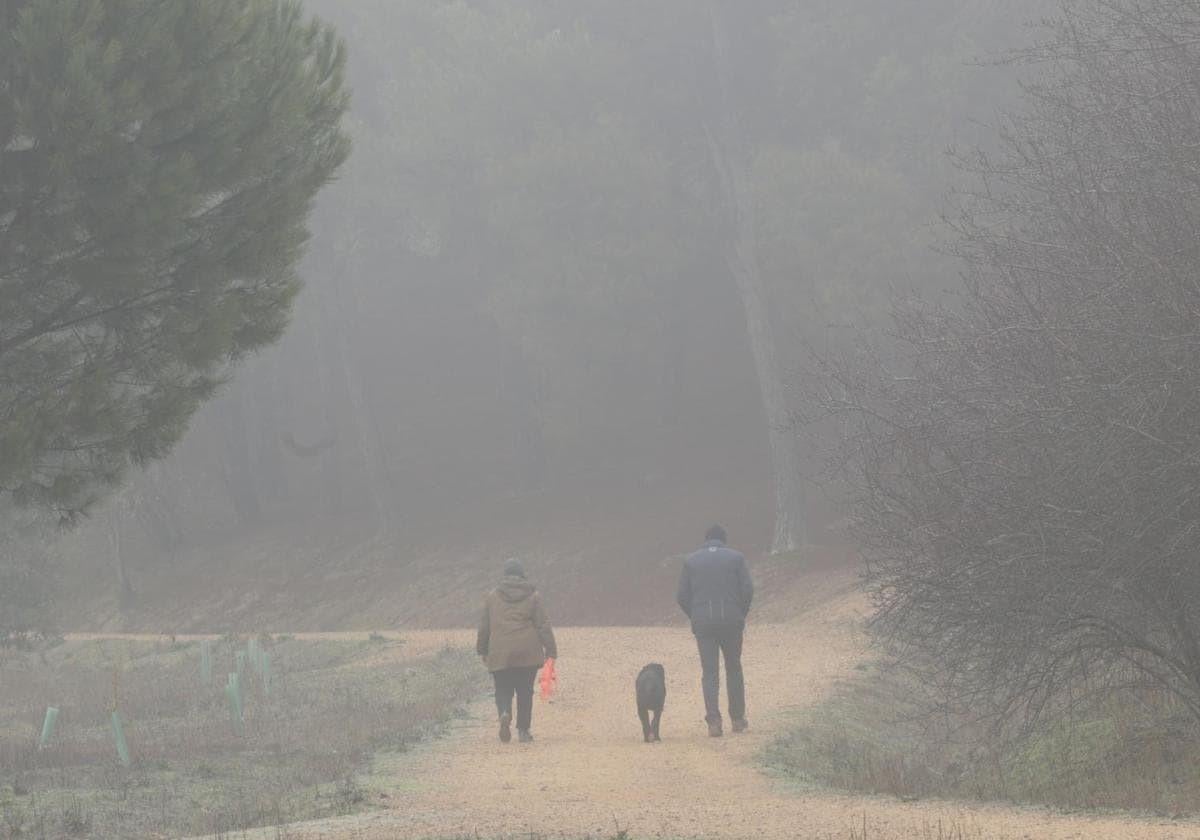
(714,641)
(518,681)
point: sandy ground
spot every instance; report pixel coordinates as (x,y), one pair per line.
(590,775)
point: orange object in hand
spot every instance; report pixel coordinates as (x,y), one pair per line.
(549,679)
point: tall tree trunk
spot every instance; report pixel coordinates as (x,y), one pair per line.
(372,451)
(332,491)
(116,511)
(241,473)
(730,160)
(521,386)
(161,519)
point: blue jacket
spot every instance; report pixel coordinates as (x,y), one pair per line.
(715,586)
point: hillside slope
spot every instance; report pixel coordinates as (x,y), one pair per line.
(338,575)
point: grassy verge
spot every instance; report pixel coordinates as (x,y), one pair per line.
(307,740)
(876,734)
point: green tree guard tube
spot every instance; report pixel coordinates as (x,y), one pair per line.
(241,674)
(119,738)
(253,653)
(48,727)
(206,660)
(233,695)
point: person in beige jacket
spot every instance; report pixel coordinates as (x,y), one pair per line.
(515,639)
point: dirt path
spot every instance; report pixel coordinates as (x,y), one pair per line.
(589,774)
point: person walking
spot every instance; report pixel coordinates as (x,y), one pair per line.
(515,639)
(715,592)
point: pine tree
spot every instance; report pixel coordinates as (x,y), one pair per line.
(158,161)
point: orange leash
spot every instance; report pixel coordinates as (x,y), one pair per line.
(549,680)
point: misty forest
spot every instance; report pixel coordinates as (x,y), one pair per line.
(821,378)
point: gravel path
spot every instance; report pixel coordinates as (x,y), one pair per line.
(589,774)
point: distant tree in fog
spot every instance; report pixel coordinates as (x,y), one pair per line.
(535,205)
(157,164)
(1025,459)
(27,584)
(609,182)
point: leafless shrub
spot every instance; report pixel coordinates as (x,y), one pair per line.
(1024,461)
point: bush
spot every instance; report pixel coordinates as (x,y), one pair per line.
(882,733)
(1022,459)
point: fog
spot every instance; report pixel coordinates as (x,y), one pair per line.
(521,330)
(314,315)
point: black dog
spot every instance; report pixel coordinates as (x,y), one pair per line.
(651,697)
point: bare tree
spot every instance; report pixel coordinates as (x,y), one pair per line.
(731,161)
(1024,461)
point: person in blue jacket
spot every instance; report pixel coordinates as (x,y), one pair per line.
(715,592)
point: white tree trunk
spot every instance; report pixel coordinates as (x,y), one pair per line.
(116,510)
(346,308)
(741,254)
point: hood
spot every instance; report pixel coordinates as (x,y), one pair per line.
(514,589)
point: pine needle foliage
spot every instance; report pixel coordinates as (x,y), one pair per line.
(158,160)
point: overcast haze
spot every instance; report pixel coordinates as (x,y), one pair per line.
(368,364)
(519,309)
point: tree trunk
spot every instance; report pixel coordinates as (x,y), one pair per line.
(741,255)
(116,545)
(343,304)
(371,452)
(241,475)
(332,491)
(521,387)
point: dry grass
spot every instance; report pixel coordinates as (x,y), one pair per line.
(936,830)
(304,749)
(875,735)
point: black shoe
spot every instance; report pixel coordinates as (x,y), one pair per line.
(714,729)
(740,725)
(525,736)
(505,731)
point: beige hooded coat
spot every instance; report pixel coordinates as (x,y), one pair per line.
(514,631)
